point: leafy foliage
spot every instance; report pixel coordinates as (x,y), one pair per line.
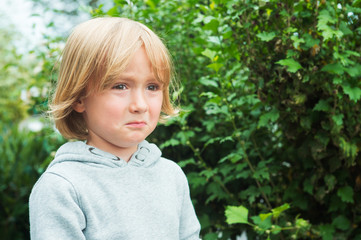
(24,156)
(271,111)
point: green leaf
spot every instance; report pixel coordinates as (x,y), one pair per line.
(208,173)
(278,210)
(264,216)
(267,117)
(276,229)
(215,39)
(308,186)
(209,53)
(324,17)
(346,194)
(263,224)
(211,23)
(323,25)
(353,92)
(151,4)
(349,149)
(354,71)
(261,173)
(338,119)
(297,41)
(210,236)
(334,68)
(185,163)
(215,66)
(356,3)
(300,98)
(171,142)
(302,224)
(310,42)
(266,37)
(236,214)
(345,29)
(342,223)
(327,231)
(209,95)
(196,181)
(330,181)
(291,64)
(208,82)
(113,11)
(322,105)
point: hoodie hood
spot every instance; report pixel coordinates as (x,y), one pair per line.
(146,155)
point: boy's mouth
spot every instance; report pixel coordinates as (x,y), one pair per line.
(136,124)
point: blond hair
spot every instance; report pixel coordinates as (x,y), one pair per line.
(95,53)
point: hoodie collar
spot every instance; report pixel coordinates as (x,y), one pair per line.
(147,154)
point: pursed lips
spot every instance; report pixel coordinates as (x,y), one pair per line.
(136,124)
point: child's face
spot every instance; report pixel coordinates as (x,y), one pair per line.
(122,116)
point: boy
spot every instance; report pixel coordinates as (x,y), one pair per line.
(113,85)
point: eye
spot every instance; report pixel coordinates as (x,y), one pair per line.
(153,87)
(120,86)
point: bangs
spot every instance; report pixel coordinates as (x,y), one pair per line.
(159,57)
(119,46)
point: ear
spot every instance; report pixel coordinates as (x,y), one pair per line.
(79,106)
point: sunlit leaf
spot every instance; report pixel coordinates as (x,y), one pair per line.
(236,214)
(209,53)
(291,64)
(266,36)
(264,216)
(334,68)
(278,210)
(353,92)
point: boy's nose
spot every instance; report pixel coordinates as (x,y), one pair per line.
(138,103)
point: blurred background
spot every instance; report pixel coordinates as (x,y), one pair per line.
(270,128)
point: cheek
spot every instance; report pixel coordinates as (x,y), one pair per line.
(108,110)
(156,106)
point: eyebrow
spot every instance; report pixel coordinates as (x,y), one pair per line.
(132,77)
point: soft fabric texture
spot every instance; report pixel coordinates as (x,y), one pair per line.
(90,194)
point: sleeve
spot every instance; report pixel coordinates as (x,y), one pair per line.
(189,224)
(54,210)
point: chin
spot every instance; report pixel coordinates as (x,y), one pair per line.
(135,141)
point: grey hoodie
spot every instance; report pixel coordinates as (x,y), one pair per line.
(90,194)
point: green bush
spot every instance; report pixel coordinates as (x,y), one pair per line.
(271,112)
(24,156)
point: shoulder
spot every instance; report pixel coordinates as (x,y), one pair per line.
(172,169)
(170,165)
(57,180)
(52,189)
(51,182)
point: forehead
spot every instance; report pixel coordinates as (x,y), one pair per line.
(139,68)
(139,63)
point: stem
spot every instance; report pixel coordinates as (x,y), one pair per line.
(204,165)
(242,144)
(261,157)
(244,148)
(253,171)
